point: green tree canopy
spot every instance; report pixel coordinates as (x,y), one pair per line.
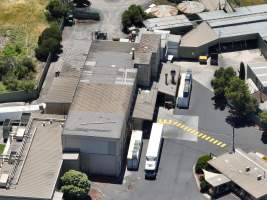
(75,185)
(237,93)
(56,9)
(134,16)
(222,77)
(72,192)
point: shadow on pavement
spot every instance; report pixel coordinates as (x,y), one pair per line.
(264,137)
(239,122)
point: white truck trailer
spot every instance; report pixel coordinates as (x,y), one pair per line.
(153,151)
(134,152)
(184,92)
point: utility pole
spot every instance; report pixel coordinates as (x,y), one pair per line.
(233,140)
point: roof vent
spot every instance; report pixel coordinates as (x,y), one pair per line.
(247,169)
(166,79)
(259,177)
(43,124)
(50,121)
(173,73)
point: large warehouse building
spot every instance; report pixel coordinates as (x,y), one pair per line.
(98,121)
(220,31)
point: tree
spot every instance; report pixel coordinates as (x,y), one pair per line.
(50,32)
(242,72)
(134,16)
(221,80)
(49,41)
(263,119)
(56,9)
(75,185)
(238,96)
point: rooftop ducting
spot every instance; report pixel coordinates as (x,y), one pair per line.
(173,73)
(166,79)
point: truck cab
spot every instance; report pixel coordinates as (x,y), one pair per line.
(150,168)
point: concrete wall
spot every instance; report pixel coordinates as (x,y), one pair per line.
(98,156)
(156,56)
(143,74)
(57,108)
(263,47)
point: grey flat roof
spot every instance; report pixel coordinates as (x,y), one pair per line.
(62,89)
(111,53)
(260,71)
(170,89)
(168,22)
(149,43)
(95,124)
(199,36)
(145,103)
(99,110)
(233,166)
(42,165)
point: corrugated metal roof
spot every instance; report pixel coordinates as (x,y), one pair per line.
(168,22)
(145,103)
(42,165)
(102,98)
(242,11)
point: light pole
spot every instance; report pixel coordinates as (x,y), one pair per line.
(233,147)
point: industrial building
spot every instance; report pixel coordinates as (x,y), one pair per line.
(257,72)
(60,96)
(31,163)
(98,121)
(169,83)
(220,31)
(240,172)
(144,108)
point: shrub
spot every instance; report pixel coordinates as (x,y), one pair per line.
(202,163)
(263,119)
(72,192)
(204,186)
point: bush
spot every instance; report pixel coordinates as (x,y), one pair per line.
(263,119)
(202,163)
(75,185)
(204,186)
